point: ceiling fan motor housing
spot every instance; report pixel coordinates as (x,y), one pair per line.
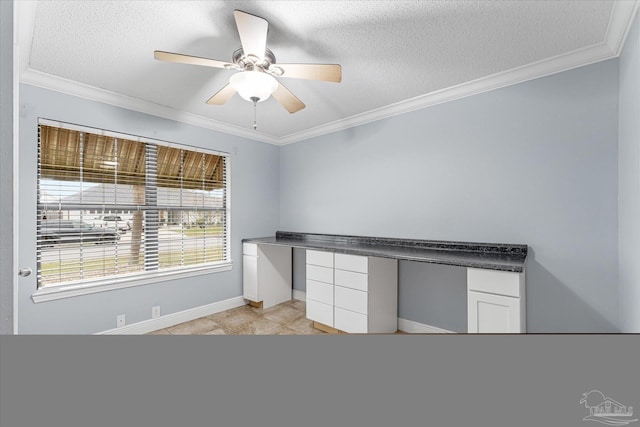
(253,63)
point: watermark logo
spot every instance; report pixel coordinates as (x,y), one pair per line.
(605,410)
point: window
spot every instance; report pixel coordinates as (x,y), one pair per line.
(114,207)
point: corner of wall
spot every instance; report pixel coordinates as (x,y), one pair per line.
(629,181)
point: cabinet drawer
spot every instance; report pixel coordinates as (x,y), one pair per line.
(349,321)
(351,299)
(495,282)
(350,279)
(352,263)
(324,259)
(321,292)
(320,274)
(319,312)
(250,249)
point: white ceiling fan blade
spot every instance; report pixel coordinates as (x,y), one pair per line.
(287,99)
(222,96)
(253,33)
(325,72)
(188,59)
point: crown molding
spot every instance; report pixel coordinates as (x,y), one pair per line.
(81,90)
(564,62)
(24,23)
(619,23)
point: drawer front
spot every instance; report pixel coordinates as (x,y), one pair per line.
(319,312)
(352,263)
(320,274)
(352,280)
(250,249)
(321,292)
(349,321)
(351,299)
(495,282)
(324,259)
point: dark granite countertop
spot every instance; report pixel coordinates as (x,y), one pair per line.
(492,256)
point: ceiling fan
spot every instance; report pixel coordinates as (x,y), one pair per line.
(257,67)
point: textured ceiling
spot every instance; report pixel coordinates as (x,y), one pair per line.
(390,51)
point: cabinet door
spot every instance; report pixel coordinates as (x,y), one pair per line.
(250,277)
(490,313)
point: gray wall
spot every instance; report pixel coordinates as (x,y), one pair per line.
(433,294)
(254,204)
(299,269)
(6,167)
(532,163)
(629,181)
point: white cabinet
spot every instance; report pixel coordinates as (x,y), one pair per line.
(320,312)
(489,313)
(319,273)
(321,292)
(351,299)
(359,294)
(320,287)
(351,322)
(495,301)
(250,277)
(352,279)
(357,263)
(355,294)
(266,273)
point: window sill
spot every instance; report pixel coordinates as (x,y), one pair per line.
(73,290)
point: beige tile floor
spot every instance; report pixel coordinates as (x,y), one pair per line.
(287,318)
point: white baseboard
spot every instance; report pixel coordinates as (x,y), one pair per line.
(150,325)
(411,327)
(299,295)
(172,319)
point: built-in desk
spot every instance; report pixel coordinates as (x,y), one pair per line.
(495,273)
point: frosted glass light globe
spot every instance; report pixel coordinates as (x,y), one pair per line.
(253,84)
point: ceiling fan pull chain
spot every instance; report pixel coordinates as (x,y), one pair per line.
(255,108)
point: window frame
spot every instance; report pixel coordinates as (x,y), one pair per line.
(113,282)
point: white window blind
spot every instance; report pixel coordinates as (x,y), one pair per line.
(111,206)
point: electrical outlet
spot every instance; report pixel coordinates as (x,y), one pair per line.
(120,321)
(155,312)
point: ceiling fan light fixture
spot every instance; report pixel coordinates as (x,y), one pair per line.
(253,85)
(257,67)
